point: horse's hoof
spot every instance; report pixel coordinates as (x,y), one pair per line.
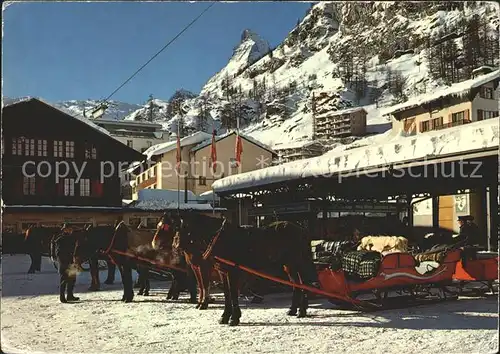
(63,300)
(204,306)
(291,312)
(109,282)
(73,298)
(169,297)
(224,320)
(146,294)
(302,314)
(198,305)
(128,300)
(234,322)
(140,293)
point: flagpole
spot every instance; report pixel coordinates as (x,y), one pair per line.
(179,168)
(213,202)
(237,140)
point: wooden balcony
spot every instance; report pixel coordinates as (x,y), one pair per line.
(451,124)
(147,183)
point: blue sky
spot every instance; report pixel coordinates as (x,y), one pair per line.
(61,51)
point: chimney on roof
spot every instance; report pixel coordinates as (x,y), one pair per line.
(482,70)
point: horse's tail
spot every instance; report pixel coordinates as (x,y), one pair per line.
(53,251)
(27,234)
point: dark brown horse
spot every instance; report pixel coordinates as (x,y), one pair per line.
(128,249)
(281,247)
(36,244)
(94,232)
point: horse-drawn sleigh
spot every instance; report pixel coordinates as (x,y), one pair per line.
(201,244)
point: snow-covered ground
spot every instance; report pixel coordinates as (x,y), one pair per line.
(33,321)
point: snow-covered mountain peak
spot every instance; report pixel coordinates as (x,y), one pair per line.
(251,49)
(248,34)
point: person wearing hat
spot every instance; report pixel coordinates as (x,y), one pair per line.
(469,231)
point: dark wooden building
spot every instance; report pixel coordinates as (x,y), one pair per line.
(52,160)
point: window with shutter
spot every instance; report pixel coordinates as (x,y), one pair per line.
(58,148)
(14,146)
(85,187)
(42,147)
(424,126)
(29,185)
(69,186)
(29,147)
(70,149)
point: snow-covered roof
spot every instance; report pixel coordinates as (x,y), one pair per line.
(460,88)
(163,199)
(469,137)
(81,119)
(227,134)
(164,194)
(162,148)
(208,196)
(160,204)
(64,206)
(294,145)
(133,166)
(483,68)
(128,123)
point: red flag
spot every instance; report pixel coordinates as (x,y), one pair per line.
(178,165)
(213,153)
(238,149)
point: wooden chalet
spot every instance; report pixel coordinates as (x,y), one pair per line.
(40,142)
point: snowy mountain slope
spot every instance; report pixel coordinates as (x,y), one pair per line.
(117,110)
(385,42)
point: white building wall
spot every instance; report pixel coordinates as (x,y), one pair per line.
(139,143)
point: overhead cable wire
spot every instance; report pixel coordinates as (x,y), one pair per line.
(158,53)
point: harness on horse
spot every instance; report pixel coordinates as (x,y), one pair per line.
(211,245)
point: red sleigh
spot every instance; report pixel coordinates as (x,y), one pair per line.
(483,268)
(397,272)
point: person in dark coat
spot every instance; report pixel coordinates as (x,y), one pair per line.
(63,246)
(469,231)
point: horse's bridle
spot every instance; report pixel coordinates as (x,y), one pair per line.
(213,241)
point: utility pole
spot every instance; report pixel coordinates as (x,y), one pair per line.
(150,108)
(237,137)
(178,172)
(313,108)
